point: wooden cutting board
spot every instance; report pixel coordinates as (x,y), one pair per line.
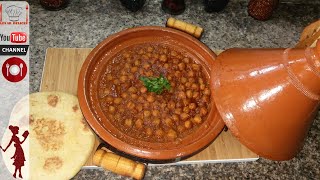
(61,71)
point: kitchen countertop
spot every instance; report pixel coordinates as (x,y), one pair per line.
(85,23)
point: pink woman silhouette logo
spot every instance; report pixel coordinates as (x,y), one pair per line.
(18,157)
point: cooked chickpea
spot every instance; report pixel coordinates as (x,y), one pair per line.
(124,95)
(195,86)
(169,77)
(175,61)
(120,110)
(132,89)
(123,78)
(174,53)
(177,111)
(187,124)
(134,96)
(159,132)
(181,66)
(184,116)
(127,66)
(106,92)
(130,105)
(172,134)
(203,111)
(186,109)
(109,99)
(146,105)
(149,55)
(190,74)
(202,86)
(171,105)
(191,80)
(146,66)
(183,80)
(149,49)
(186,60)
(197,119)
(139,107)
(175,117)
(189,93)
(180,128)
(179,104)
(156,122)
(109,77)
(131,77)
(137,62)
(134,69)
(168,122)
(195,95)
(163,58)
(126,55)
(156,56)
(116,81)
(141,71)
(123,72)
(139,123)
(117,100)
(205,99)
(177,74)
(155,113)
(196,67)
(182,95)
(141,51)
(146,113)
(165,50)
(200,80)
(163,105)
(150,98)
(192,106)
(143,90)
(144,57)
(128,122)
(149,131)
(186,102)
(206,91)
(188,84)
(181,88)
(149,73)
(166,65)
(112,109)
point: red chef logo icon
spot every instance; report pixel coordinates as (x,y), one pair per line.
(14,69)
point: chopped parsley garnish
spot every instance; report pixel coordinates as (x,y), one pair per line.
(156,84)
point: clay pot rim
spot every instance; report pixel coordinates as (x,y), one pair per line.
(203,141)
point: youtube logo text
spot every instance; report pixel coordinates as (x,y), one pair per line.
(14,37)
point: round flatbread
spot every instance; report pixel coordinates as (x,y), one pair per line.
(60,140)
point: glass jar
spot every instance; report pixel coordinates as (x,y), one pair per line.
(133,5)
(54,5)
(173,7)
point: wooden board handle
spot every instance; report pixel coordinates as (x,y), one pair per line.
(309,35)
(195,31)
(118,164)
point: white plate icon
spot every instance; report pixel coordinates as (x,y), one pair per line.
(14,70)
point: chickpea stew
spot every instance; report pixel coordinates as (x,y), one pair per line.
(170,115)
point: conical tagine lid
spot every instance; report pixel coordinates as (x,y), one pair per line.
(268,98)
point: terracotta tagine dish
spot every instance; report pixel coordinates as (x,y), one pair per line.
(268,98)
(146,91)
